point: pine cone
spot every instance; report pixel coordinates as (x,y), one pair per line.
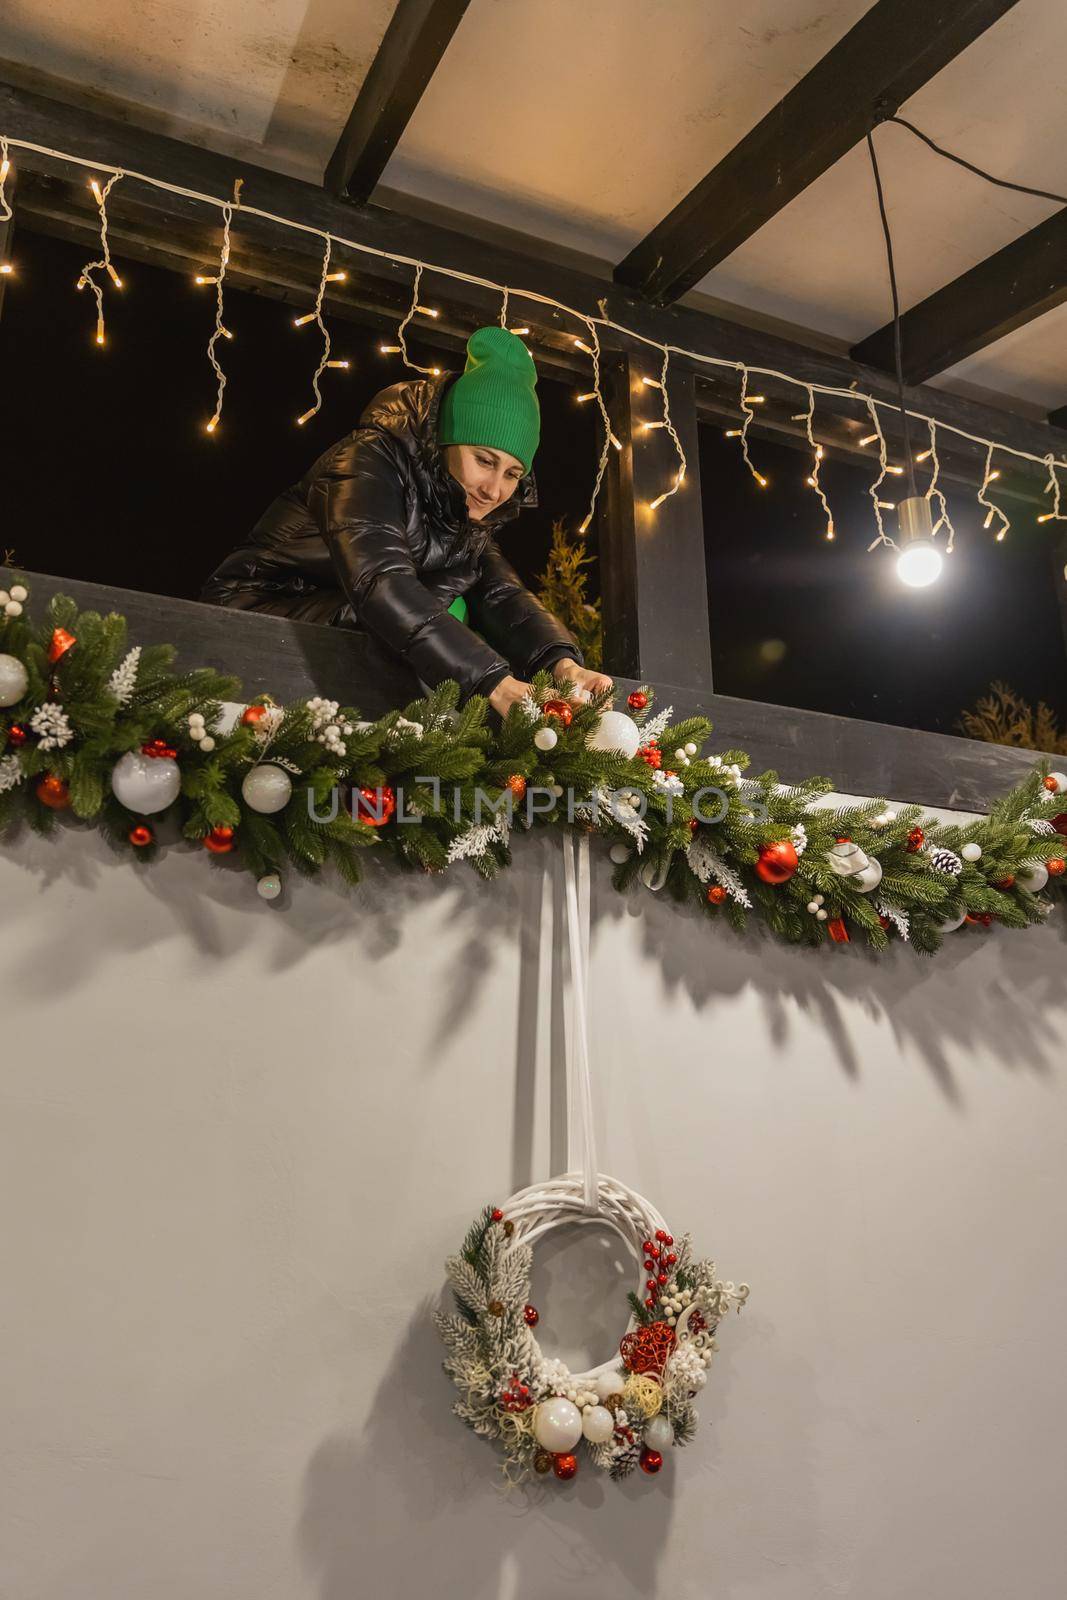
(946,861)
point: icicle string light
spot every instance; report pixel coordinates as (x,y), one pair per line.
(220,332)
(988,506)
(879,504)
(87,281)
(1052,487)
(818,453)
(746,406)
(6,212)
(840,392)
(934,491)
(679,477)
(401,348)
(316,316)
(608,435)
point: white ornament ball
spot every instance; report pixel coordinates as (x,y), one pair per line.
(546,738)
(1033,875)
(557,1425)
(267,788)
(20,592)
(269,887)
(13,608)
(207,743)
(971,852)
(952,923)
(14,680)
(690,749)
(145,783)
(659,1434)
(598,1424)
(609,1383)
(619,853)
(616,732)
(1060,777)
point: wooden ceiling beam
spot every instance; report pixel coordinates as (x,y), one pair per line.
(418,35)
(893,50)
(1009,289)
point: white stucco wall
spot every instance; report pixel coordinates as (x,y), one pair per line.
(238,1140)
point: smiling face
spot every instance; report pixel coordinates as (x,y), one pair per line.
(490,477)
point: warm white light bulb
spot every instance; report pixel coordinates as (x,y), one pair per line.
(869,439)
(616,442)
(428,311)
(336,277)
(298,322)
(924,455)
(389,349)
(5,168)
(344,364)
(6,268)
(582,398)
(518,331)
(919,564)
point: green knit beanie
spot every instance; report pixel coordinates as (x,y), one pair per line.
(493,401)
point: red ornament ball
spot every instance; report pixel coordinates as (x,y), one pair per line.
(1005,883)
(252,716)
(219,841)
(1056,867)
(1051,784)
(559,709)
(651,1461)
(375,806)
(517,784)
(777,861)
(565,1466)
(52,792)
(694,824)
(498,1215)
(16,736)
(637,701)
(916,840)
(716,894)
(531,1316)
(140,835)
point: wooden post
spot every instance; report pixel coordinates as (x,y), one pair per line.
(653,577)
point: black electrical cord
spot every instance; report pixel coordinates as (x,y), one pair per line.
(1002,183)
(896,316)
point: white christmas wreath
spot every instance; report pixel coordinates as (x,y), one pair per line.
(629,1410)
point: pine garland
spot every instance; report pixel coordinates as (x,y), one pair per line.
(100,699)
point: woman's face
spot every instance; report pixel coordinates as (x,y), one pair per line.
(489,476)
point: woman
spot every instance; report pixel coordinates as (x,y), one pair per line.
(392,531)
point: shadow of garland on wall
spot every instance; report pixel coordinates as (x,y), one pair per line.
(117,739)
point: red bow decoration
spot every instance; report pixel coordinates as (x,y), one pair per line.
(647,1349)
(158,747)
(61,643)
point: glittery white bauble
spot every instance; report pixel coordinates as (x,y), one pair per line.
(1033,875)
(619,853)
(267,788)
(145,783)
(598,1424)
(616,732)
(557,1425)
(546,738)
(658,1433)
(14,680)
(609,1383)
(971,852)
(269,887)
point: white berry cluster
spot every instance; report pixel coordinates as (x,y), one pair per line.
(883,819)
(326,729)
(669,782)
(52,725)
(198,732)
(731,773)
(400,727)
(557,1378)
(11,599)
(687,1366)
(674,1304)
(815,907)
(684,754)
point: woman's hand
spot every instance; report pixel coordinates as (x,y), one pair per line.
(508,692)
(592,682)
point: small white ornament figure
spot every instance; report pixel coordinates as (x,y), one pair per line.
(269,887)
(849,861)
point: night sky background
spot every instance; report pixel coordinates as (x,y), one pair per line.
(108,476)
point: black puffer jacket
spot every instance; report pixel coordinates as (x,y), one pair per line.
(377,536)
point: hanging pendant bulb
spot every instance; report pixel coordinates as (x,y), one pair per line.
(919,562)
